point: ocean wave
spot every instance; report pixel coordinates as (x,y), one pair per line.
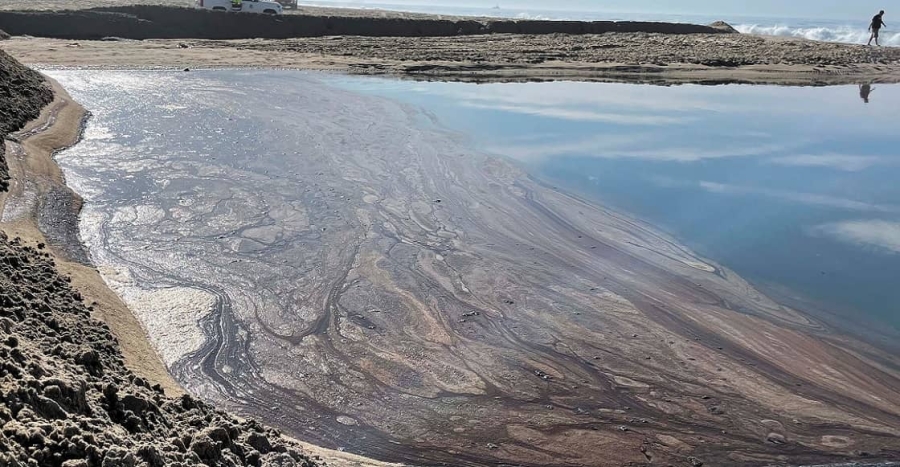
(845,34)
(529,16)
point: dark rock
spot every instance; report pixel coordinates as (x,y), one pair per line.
(111,394)
(206,449)
(259,442)
(118,457)
(150,455)
(49,408)
(133,423)
(724,27)
(135,404)
(54,392)
(89,359)
(217,434)
(254,458)
(187,402)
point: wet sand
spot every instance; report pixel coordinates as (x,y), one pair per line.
(37,194)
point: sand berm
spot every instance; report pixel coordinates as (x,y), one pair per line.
(67,398)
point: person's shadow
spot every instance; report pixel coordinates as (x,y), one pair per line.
(864,91)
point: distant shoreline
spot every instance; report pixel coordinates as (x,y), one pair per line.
(437,47)
(635,58)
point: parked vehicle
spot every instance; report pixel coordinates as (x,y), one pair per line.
(289,4)
(244,6)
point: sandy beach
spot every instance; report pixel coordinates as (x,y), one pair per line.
(504,58)
(644,57)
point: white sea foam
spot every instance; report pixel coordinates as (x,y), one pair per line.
(845,34)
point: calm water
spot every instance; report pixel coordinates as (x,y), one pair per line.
(794,188)
(230,210)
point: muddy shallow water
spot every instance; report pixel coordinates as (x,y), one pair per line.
(342,265)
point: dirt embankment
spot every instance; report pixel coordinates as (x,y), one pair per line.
(22,96)
(159,22)
(66,398)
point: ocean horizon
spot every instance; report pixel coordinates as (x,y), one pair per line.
(847,30)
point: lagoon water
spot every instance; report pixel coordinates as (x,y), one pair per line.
(294,244)
(794,188)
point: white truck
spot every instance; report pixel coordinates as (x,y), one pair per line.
(243,6)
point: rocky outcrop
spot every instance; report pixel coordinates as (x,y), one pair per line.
(23,94)
(66,397)
(724,27)
(3,35)
(156,22)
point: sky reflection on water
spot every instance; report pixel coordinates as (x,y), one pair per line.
(794,188)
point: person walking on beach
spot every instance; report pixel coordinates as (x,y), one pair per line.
(877,23)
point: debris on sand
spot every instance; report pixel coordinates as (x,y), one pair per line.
(776,438)
(725,27)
